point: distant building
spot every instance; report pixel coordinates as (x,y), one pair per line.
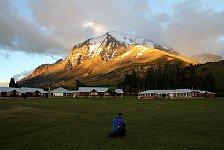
(27,92)
(11,92)
(34,92)
(75,93)
(22,92)
(61,92)
(174,94)
(93,92)
(119,93)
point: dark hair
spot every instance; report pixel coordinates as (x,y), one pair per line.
(120,114)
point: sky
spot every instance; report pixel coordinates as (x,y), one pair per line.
(35,32)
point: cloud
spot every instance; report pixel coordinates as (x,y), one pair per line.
(4,55)
(22,74)
(99,29)
(18,34)
(54,27)
(4,83)
(193,28)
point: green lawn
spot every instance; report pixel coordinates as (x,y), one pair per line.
(76,124)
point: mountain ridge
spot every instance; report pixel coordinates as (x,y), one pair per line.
(109,45)
(206,57)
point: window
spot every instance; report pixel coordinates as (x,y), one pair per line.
(93,93)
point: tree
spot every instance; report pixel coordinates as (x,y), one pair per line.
(17,84)
(211,82)
(134,79)
(148,80)
(12,83)
(127,80)
(79,84)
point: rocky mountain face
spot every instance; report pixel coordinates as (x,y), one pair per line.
(203,58)
(104,60)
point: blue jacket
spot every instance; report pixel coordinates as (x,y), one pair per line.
(118,121)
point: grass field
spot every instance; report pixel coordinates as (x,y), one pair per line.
(76,124)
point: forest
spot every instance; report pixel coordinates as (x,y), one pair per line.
(168,76)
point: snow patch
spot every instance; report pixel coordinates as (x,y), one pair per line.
(108,57)
(143,48)
(165,47)
(139,54)
(125,54)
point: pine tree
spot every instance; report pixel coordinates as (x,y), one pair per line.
(133,79)
(211,82)
(79,84)
(127,84)
(16,84)
(12,83)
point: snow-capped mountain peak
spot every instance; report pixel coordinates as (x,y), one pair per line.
(123,38)
(110,45)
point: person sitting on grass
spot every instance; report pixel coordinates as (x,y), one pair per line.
(118,126)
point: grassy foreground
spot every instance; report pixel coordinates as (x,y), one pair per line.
(62,124)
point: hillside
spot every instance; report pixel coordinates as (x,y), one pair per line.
(217,69)
(104,60)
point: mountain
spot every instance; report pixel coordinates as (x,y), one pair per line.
(104,60)
(110,45)
(217,69)
(203,58)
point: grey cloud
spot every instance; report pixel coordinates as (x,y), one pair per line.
(68,16)
(22,74)
(58,25)
(194,29)
(17,33)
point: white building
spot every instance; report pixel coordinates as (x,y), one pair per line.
(119,93)
(61,92)
(174,94)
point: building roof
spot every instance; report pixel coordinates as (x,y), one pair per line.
(204,92)
(89,89)
(167,91)
(10,89)
(22,89)
(32,90)
(61,90)
(174,91)
(119,91)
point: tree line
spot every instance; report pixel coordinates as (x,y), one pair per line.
(168,76)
